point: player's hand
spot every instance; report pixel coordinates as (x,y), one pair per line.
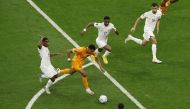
(83,31)
(132,29)
(68,59)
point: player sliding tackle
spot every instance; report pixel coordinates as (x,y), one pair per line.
(48,71)
(152,19)
(104,29)
(77,62)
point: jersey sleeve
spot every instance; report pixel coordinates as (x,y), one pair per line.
(143,16)
(160,14)
(97,25)
(113,28)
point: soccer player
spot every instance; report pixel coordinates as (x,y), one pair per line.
(104,29)
(152,19)
(80,55)
(164,5)
(46,67)
(120,106)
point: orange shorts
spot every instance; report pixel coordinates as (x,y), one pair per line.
(77,65)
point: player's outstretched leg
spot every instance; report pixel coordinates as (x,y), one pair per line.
(154,51)
(66,71)
(107,52)
(49,83)
(85,82)
(136,40)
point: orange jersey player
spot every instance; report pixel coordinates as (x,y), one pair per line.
(77,62)
(164,5)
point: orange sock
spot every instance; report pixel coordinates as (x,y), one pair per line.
(85,82)
(64,71)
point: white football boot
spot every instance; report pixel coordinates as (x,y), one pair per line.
(156,61)
(128,38)
(89,91)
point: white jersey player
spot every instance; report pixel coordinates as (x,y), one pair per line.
(46,67)
(104,29)
(152,19)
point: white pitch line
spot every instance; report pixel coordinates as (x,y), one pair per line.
(40,92)
(122,89)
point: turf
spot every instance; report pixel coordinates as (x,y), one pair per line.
(164,86)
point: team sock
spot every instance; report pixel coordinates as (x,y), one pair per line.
(85,82)
(49,83)
(136,40)
(154,49)
(106,53)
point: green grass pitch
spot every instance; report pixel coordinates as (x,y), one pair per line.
(164,86)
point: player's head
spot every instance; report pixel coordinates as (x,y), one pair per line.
(45,41)
(155,7)
(106,20)
(120,106)
(91,48)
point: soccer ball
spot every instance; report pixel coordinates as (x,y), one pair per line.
(103,99)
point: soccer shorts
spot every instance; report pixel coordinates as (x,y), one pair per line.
(148,34)
(76,65)
(48,71)
(101,43)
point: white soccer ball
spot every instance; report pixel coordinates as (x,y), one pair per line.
(103,99)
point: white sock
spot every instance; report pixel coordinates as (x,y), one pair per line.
(49,83)
(138,41)
(154,49)
(96,51)
(106,53)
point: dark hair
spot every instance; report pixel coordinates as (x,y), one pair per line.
(106,17)
(154,5)
(44,39)
(92,47)
(120,106)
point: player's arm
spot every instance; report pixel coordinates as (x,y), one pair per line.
(135,25)
(100,65)
(55,54)
(158,26)
(116,32)
(40,43)
(69,52)
(91,24)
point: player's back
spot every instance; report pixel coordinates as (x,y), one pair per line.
(45,56)
(81,54)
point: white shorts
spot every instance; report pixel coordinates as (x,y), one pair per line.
(48,71)
(148,34)
(101,43)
